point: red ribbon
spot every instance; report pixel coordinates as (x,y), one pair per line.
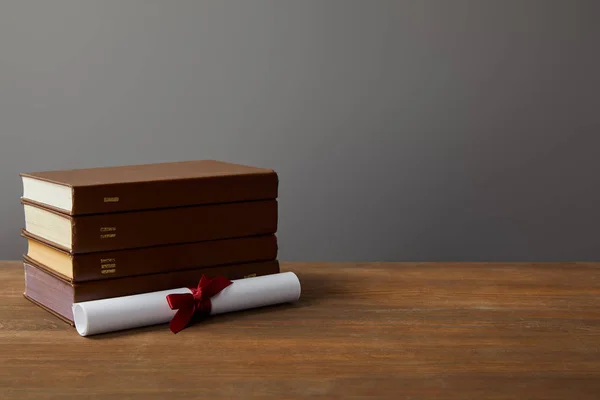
(188,304)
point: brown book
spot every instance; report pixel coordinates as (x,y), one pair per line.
(148,186)
(102,232)
(148,260)
(58,295)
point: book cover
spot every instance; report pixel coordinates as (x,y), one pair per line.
(148,260)
(128,230)
(148,186)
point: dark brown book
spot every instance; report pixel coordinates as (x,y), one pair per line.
(58,295)
(115,231)
(149,186)
(148,260)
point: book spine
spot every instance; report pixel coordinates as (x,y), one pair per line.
(95,290)
(158,259)
(117,231)
(176,193)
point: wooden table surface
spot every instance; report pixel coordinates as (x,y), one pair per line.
(370,330)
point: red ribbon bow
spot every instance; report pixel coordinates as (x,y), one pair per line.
(188,304)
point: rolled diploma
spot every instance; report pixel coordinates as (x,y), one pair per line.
(127,312)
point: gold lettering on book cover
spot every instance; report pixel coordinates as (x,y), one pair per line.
(108,271)
(108,235)
(108,229)
(111,199)
(108,266)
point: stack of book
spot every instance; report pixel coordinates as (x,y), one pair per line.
(117,231)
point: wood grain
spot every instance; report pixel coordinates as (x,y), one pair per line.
(370,330)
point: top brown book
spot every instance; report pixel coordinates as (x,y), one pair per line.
(148,186)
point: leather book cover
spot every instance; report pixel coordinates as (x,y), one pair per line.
(149,260)
(160,185)
(116,231)
(58,295)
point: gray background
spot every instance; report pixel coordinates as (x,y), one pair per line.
(401,130)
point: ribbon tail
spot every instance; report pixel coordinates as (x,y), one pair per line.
(182,317)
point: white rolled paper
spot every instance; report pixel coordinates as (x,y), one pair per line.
(118,313)
(127,312)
